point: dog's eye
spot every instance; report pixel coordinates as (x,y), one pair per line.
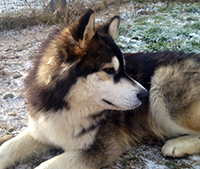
(109,70)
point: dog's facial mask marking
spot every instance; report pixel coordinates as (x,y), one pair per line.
(111,68)
(105,93)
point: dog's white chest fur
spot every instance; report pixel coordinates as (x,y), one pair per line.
(63,130)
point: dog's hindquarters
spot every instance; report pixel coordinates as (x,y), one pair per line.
(173,79)
(175,106)
(174,98)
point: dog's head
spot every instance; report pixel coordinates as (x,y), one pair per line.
(82,65)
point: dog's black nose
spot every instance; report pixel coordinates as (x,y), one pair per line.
(142,96)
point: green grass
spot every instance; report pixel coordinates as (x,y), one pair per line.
(163,30)
(173,164)
(194,8)
(195,25)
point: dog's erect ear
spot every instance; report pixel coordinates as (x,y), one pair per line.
(89,30)
(111,27)
(83,29)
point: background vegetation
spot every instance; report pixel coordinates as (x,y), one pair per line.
(147,25)
(61,12)
(161,27)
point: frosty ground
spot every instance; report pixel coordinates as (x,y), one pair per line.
(149,27)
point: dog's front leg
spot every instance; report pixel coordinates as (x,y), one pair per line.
(181,146)
(20,147)
(67,160)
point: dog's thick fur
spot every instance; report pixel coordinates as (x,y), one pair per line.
(81,100)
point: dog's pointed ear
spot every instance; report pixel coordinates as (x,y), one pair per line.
(83,29)
(89,29)
(112,25)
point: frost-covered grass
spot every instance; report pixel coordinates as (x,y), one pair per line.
(159,28)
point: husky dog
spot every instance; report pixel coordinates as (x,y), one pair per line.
(82,100)
(78,73)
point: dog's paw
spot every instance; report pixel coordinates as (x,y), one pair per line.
(173,148)
(182,146)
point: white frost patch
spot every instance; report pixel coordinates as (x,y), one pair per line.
(130,44)
(194,35)
(152,165)
(11,6)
